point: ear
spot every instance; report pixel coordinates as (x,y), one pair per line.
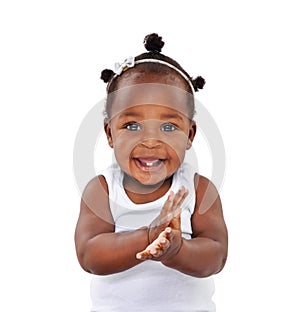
(107,130)
(192,133)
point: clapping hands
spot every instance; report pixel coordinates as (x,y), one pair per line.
(164,232)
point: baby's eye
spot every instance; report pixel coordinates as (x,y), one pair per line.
(168,127)
(133,126)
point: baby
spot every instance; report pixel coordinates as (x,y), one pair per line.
(140,231)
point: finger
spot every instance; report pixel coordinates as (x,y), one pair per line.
(161,249)
(167,210)
(177,212)
(156,248)
(170,235)
(172,206)
(160,245)
(168,204)
(176,221)
(157,244)
(180,196)
(178,200)
(144,255)
(168,232)
(165,216)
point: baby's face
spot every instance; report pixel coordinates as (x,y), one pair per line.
(150,130)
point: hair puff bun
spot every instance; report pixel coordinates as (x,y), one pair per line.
(198,83)
(153,43)
(106,75)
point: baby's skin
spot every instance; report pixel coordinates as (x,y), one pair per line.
(158,247)
(165,232)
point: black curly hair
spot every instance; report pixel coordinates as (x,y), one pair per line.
(153,44)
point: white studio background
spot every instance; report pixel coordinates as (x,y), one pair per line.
(52,54)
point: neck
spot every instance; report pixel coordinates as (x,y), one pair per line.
(141,194)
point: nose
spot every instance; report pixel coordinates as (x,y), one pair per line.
(151,143)
(151,134)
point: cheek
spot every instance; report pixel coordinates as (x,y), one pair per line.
(177,145)
(177,140)
(125,142)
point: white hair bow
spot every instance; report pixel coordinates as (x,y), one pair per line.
(120,67)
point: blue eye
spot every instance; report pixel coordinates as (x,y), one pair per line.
(133,126)
(168,127)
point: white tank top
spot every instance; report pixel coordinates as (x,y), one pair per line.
(150,286)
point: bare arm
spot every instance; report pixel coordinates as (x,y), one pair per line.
(205,254)
(99,249)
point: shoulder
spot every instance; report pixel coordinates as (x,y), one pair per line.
(207,195)
(207,219)
(94,199)
(96,186)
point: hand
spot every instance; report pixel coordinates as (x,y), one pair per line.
(166,245)
(170,210)
(157,248)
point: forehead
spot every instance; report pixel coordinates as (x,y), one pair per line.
(162,96)
(150,112)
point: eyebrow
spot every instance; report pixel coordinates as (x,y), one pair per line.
(171,116)
(129,114)
(162,116)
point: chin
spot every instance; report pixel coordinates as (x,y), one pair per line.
(151,182)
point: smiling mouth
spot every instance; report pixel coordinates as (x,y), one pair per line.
(149,163)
